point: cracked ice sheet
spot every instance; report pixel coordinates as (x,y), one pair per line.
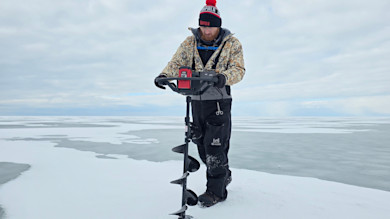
(65,183)
(106,130)
(307,125)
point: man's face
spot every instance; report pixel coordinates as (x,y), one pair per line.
(209,33)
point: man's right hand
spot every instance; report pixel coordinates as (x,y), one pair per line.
(159,84)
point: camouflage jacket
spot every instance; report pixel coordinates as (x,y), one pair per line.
(230,62)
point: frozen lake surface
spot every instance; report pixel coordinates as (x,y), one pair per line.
(353,151)
(349,150)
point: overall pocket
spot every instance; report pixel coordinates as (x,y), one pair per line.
(215,135)
(215,142)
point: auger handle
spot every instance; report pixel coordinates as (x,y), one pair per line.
(209,80)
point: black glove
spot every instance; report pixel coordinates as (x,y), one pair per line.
(221,81)
(159,84)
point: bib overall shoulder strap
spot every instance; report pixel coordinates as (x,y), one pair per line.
(217,58)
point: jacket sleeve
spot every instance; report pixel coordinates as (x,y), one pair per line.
(235,70)
(180,58)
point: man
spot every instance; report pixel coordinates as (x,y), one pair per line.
(211,48)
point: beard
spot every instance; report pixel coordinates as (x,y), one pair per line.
(209,36)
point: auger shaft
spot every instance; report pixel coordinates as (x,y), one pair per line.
(186,160)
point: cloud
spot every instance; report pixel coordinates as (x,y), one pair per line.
(91,54)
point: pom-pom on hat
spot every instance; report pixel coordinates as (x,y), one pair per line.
(209,15)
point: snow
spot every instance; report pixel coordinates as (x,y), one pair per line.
(67,183)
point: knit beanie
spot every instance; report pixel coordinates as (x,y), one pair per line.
(209,15)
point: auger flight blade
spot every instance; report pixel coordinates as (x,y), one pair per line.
(193,164)
(179,149)
(181,179)
(181,211)
(191,197)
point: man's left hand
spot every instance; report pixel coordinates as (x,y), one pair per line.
(221,81)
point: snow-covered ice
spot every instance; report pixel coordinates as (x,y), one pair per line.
(66,183)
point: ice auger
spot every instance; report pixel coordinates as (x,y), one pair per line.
(188,83)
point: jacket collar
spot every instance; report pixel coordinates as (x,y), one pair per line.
(225,34)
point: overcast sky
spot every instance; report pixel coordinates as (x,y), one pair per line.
(100,57)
